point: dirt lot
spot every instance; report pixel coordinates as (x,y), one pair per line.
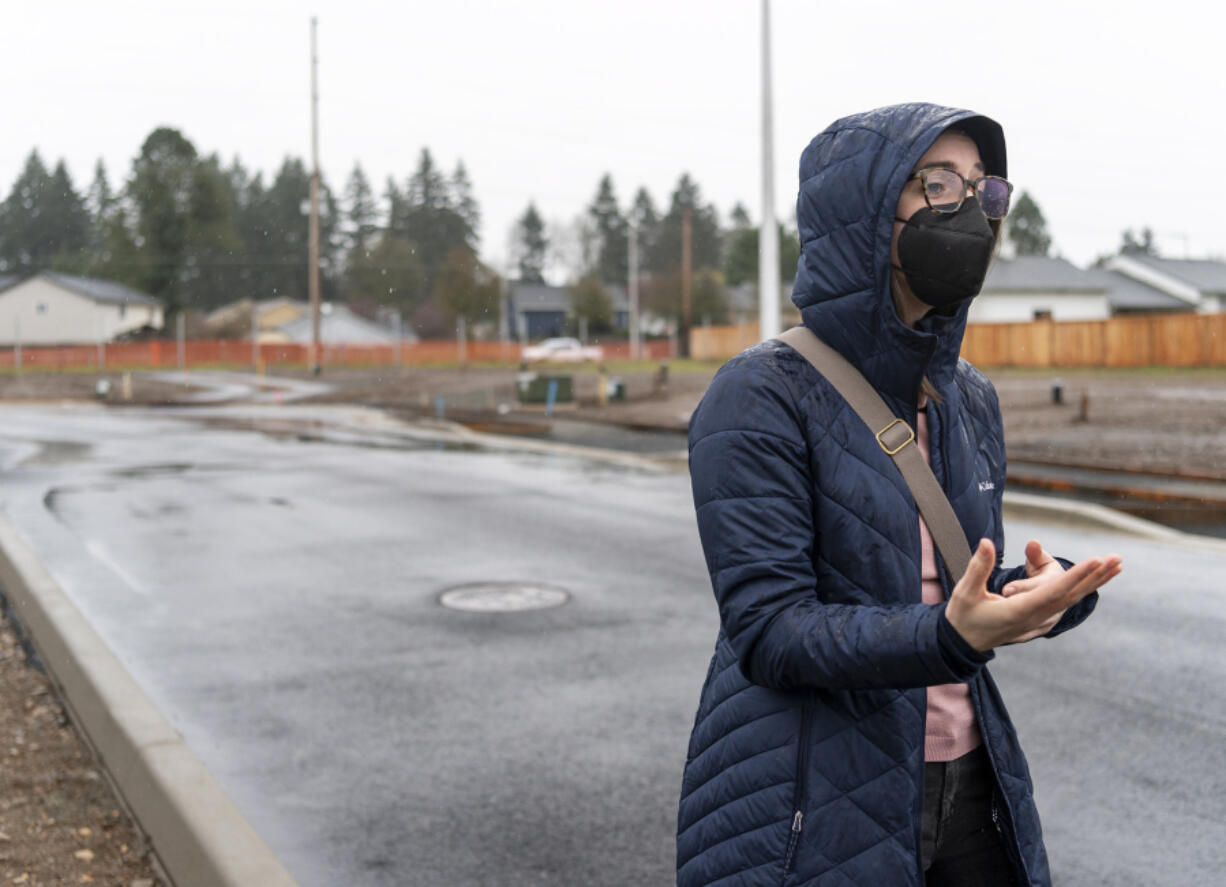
(59,823)
(1150,420)
(1154,420)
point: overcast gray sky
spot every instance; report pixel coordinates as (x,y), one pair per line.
(1113,111)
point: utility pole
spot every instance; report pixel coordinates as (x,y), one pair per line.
(255,337)
(313,277)
(632,290)
(399,326)
(768,234)
(687,272)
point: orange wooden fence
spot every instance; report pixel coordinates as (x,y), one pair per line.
(165,354)
(1170,340)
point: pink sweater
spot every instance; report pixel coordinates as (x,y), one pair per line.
(950,730)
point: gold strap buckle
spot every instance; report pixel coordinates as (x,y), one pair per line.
(908,439)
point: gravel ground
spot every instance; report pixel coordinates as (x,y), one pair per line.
(59,822)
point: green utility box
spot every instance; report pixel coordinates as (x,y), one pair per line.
(616,389)
(534,388)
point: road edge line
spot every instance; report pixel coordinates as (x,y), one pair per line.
(198,835)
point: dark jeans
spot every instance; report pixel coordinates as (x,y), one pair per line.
(961,847)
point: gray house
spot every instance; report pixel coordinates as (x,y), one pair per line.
(1150,283)
(1040,287)
(536,310)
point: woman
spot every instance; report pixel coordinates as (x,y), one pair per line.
(847,731)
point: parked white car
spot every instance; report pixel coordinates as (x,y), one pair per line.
(563,350)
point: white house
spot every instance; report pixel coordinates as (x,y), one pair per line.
(1152,283)
(49,308)
(1040,287)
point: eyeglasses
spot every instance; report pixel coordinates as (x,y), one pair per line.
(945,191)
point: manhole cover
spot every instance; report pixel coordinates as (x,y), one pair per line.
(503,597)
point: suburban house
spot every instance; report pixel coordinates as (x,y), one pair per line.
(1150,283)
(1037,287)
(234,320)
(536,310)
(1040,287)
(339,326)
(284,320)
(49,308)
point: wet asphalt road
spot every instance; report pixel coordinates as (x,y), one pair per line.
(277,597)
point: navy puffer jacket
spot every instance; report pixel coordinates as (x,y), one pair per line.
(806,761)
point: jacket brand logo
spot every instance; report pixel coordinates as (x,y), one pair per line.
(985,485)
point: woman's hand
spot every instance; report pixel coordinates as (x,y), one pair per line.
(1039,565)
(1033,605)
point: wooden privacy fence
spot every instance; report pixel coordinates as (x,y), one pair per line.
(1170,340)
(166,354)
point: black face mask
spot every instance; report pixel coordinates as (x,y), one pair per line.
(945,256)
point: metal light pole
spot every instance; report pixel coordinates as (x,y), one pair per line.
(768,237)
(313,278)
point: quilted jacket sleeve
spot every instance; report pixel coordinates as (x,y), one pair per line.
(749,468)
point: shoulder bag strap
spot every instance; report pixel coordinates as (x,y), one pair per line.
(896,438)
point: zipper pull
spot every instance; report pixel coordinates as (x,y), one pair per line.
(796,821)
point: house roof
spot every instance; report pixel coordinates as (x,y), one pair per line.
(1206,275)
(1127,294)
(538,297)
(1041,274)
(340,326)
(100,290)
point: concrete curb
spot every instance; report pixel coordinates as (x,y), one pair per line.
(197,833)
(1086,515)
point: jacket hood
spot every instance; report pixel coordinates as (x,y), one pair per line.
(851,176)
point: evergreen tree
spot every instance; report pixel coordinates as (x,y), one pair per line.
(396,207)
(387,274)
(664,252)
(429,218)
(739,218)
(465,203)
(610,229)
(69,218)
(1026,228)
(27,236)
(646,221)
(214,251)
(741,251)
(361,211)
(161,187)
(118,256)
(530,245)
(100,199)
